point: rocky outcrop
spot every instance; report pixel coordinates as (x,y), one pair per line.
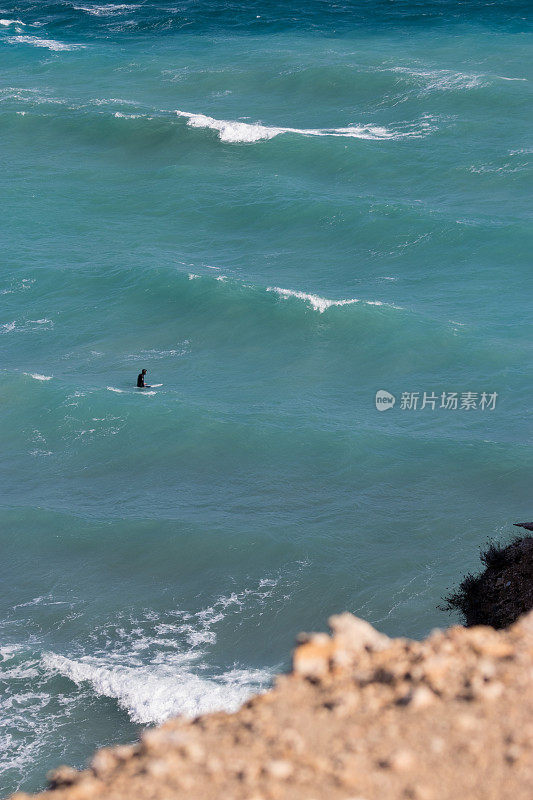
(503,591)
(361,717)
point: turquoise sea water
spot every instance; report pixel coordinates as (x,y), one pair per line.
(278,209)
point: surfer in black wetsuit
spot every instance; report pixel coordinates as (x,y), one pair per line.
(140,379)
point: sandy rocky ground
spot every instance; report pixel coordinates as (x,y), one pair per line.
(360,717)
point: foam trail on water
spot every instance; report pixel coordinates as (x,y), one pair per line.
(106,11)
(443,80)
(234,131)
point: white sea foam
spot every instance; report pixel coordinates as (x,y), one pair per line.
(107,10)
(159,354)
(443,80)
(113,389)
(36,376)
(154,665)
(8,326)
(321,304)
(151,666)
(30,713)
(104,101)
(155,692)
(235,131)
(6,22)
(41,600)
(120,115)
(316,302)
(51,44)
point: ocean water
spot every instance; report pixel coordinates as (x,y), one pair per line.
(278,209)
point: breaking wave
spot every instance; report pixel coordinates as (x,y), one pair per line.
(153,668)
(51,44)
(36,376)
(240,132)
(154,693)
(107,10)
(321,304)
(316,302)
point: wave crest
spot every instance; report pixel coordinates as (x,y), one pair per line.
(234,131)
(316,302)
(51,44)
(321,304)
(154,693)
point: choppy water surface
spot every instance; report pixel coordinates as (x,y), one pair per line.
(278,209)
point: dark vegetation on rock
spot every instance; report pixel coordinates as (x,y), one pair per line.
(502,592)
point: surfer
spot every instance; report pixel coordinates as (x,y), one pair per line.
(140,379)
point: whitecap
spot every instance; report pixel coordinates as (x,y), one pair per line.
(321,304)
(120,115)
(158,354)
(51,44)
(316,302)
(6,22)
(443,80)
(152,668)
(155,692)
(239,132)
(113,389)
(107,10)
(9,650)
(36,376)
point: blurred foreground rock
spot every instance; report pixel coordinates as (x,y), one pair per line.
(361,717)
